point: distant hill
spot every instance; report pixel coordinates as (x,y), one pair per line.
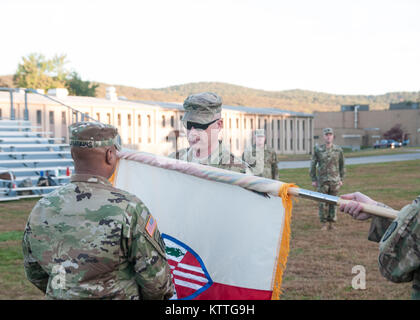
(294,100)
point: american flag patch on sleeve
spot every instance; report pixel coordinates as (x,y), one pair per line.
(151,226)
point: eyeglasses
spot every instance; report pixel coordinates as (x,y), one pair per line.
(189,125)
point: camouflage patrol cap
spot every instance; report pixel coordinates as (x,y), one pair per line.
(94,135)
(328,130)
(202,107)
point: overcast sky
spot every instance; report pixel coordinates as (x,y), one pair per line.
(342,47)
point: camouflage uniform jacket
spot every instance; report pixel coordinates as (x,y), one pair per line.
(330,163)
(89,240)
(221,158)
(399,257)
(263,164)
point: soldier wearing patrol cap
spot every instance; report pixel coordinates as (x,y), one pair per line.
(89,240)
(203,122)
(327,174)
(399,240)
(261,158)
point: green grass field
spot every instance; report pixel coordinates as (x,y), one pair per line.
(319,264)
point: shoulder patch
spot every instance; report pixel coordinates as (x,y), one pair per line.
(151,225)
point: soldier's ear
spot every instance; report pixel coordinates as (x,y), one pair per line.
(110,156)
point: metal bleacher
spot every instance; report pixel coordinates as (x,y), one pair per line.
(26,156)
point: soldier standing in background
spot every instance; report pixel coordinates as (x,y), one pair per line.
(327,174)
(262,159)
(203,121)
(89,240)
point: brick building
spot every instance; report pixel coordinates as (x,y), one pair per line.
(355,128)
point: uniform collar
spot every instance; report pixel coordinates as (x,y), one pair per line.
(90,179)
(332,146)
(213,158)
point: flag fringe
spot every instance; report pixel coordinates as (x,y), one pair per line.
(114,174)
(285,239)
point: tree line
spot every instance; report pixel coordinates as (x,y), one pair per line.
(36,71)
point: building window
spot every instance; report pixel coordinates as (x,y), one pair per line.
(163,122)
(237,123)
(139,140)
(1,110)
(230,123)
(149,122)
(259,124)
(285,135)
(265,125)
(278,143)
(63,117)
(51,117)
(129,120)
(252,124)
(119,119)
(272,125)
(244,123)
(108,116)
(297,135)
(139,120)
(129,140)
(172,121)
(291,134)
(149,140)
(303,133)
(310,136)
(98,116)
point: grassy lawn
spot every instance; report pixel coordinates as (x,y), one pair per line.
(319,264)
(13,283)
(353,154)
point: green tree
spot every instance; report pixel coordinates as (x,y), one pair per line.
(78,87)
(37,72)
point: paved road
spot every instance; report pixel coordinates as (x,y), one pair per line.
(360,160)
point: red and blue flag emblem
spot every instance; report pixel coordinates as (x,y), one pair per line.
(189,274)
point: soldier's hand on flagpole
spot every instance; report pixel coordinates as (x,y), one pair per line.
(340,183)
(314,184)
(354,207)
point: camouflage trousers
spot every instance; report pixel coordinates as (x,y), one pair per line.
(327,212)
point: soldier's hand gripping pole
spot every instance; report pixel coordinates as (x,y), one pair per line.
(321,197)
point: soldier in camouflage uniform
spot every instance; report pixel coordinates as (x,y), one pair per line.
(204,123)
(89,240)
(263,160)
(399,240)
(330,161)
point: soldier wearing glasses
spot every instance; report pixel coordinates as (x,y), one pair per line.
(203,121)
